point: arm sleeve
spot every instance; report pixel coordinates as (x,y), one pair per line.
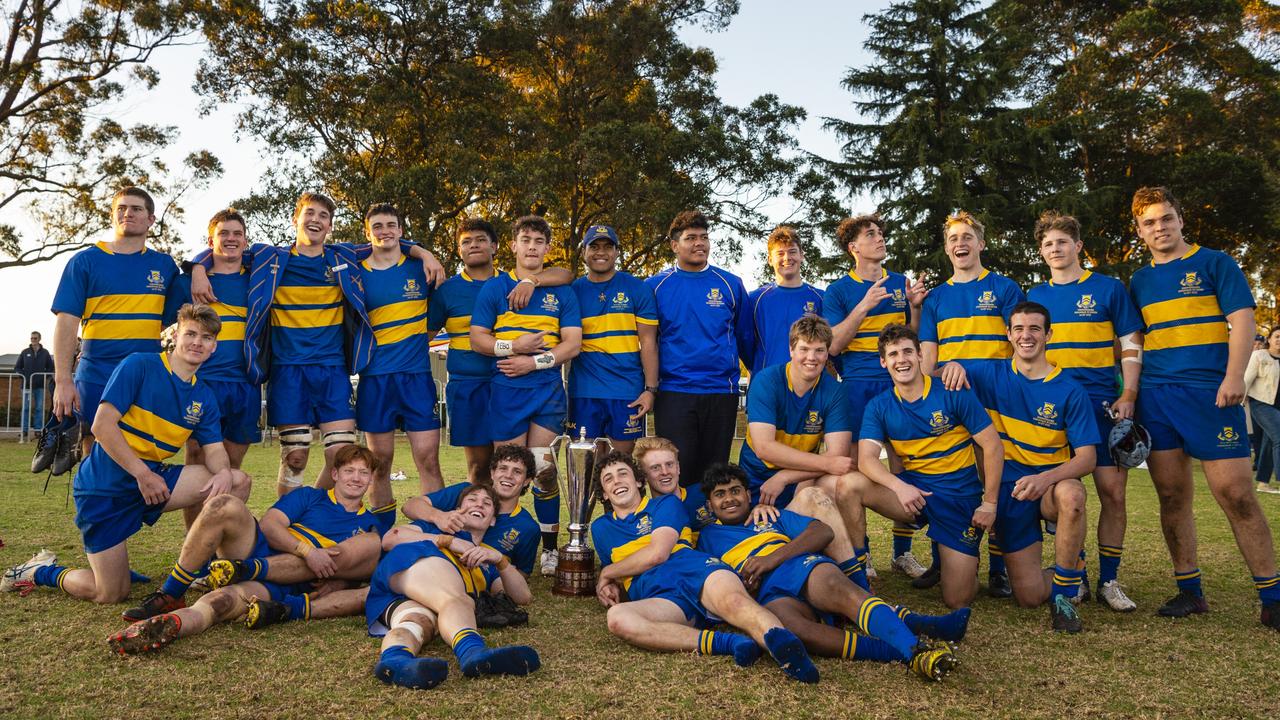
(965,405)
(526,551)
(873,424)
(762,400)
(743,327)
(209,431)
(1229,281)
(436,312)
(295,504)
(646,305)
(125,382)
(929,319)
(1082,428)
(205,257)
(73,288)
(1011,295)
(837,414)
(834,305)
(179,294)
(384,518)
(667,511)
(570,314)
(486,311)
(446,499)
(600,538)
(793,524)
(1124,316)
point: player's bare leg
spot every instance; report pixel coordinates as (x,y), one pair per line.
(1230,482)
(724,595)
(411,626)
(478,463)
(816,503)
(424,446)
(334,435)
(295,444)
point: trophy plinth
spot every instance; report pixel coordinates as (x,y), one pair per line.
(576,569)
(575,573)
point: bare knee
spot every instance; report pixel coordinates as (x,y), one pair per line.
(622,623)
(359,553)
(224,507)
(222,602)
(956,598)
(813,497)
(849,488)
(296,460)
(1070,498)
(110,595)
(241,484)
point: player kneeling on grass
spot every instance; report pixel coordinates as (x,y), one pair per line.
(151,405)
(331,534)
(674,590)
(782,563)
(427,582)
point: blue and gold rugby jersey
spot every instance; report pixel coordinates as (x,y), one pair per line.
(228,362)
(735,544)
(450,310)
(515,534)
(703,329)
(160,411)
(120,300)
(1040,421)
(773,310)
(801,421)
(860,359)
(306,315)
(1185,304)
(316,516)
(697,511)
(396,299)
(967,320)
(1087,316)
(608,368)
(933,436)
(549,308)
(618,538)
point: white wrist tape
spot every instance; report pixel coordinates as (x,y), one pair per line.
(502,348)
(544,361)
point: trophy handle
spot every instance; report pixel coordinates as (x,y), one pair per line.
(608,445)
(558,442)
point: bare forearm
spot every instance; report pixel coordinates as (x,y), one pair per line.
(64,346)
(553,277)
(482,340)
(1240,342)
(649,353)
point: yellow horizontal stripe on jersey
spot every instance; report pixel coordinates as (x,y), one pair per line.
(609,322)
(1082,357)
(1181,309)
(397,311)
(307,295)
(876,323)
(646,321)
(396,333)
(931,453)
(226,311)
(306,534)
(323,317)
(630,548)
(157,427)
(144,448)
(142,303)
(612,344)
(458,325)
(1077,332)
(460,342)
(975,325)
(975,350)
(231,330)
(1184,335)
(863,344)
(756,545)
(1028,433)
(528,323)
(103,329)
(1017,453)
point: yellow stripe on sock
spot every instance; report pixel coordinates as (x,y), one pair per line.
(1109,550)
(461,634)
(62,576)
(850,645)
(1270,582)
(904,532)
(1187,575)
(864,612)
(903,612)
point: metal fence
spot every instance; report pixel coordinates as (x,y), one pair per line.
(24,404)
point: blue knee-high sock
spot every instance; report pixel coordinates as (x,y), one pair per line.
(862,647)
(546,507)
(1268,588)
(859,574)
(179,580)
(136,577)
(936,562)
(1189,582)
(995,560)
(1108,562)
(743,649)
(50,576)
(878,619)
(398,666)
(950,627)
(1066,581)
(466,643)
(299,606)
(902,538)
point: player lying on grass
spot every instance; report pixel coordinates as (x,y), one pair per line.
(151,405)
(781,562)
(331,535)
(672,591)
(426,584)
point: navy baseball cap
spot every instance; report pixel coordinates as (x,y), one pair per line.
(599,232)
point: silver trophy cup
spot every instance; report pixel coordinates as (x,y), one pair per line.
(576,570)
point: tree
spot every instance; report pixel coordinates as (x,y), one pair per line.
(63,65)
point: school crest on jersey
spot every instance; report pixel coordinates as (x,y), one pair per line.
(813,422)
(763,527)
(620,301)
(155,281)
(644,525)
(715,298)
(194,412)
(703,516)
(1190,283)
(1228,437)
(899,298)
(1086,306)
(809,309)
(412,290)
(1047,415)
(551,303)
(987,300)
(939,423)
(509,539)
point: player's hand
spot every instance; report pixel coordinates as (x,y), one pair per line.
(66,401)
(460,545)
(839,464)
(910,497)
(1031,487)
(643,404)
(916,293)
(326,587)
(607,592)
(1123,408)
(201,288)
(519,296)
(321,561)
(517,365)
(451,522)
(874,295)
(218,484)
(433,269)
(530,343)
(953,376)
(479,555)
(1230,392)
(771,489)
(754,570)
(153,489)
(762,513)
(983,519)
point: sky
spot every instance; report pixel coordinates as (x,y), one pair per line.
(798,50)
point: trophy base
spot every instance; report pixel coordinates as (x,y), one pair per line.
(575,573)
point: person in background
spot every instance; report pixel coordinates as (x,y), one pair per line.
(1261,380)
(34,362)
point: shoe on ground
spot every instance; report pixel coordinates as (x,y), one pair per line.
(262,613)
(930,577)
(201,585)
(1271,615)
(67,450)
(1182,605)
(1064,615)
(1266,488)
(515,615)
(548,562)
(1083,596)
(872,576)
(25,573)
(908,565)
(226,572)
(933,661)
(487,613)
(998,586)
(46,447)
(146,635)
(1112,595)
(157,603)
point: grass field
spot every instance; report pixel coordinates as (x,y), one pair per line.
(55,661)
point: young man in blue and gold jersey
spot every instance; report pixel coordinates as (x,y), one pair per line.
(704,329)
(470,372)
(659,461)
(662,594)
(781,562)
(1046,423)
(1199,325)
(328,535)
(859,305)
(776,305)
(151,405)
(934,431)
(527,404)
(1092,314)
(396,391)
(114,294)
(963,321)
(613,382)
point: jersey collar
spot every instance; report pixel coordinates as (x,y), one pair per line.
(1054,371)
(853,273)
(1079,281)
(985,272)
(928,383)
(644,502)
(365,264)
(1195,248)
(164,358)
(333,498)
